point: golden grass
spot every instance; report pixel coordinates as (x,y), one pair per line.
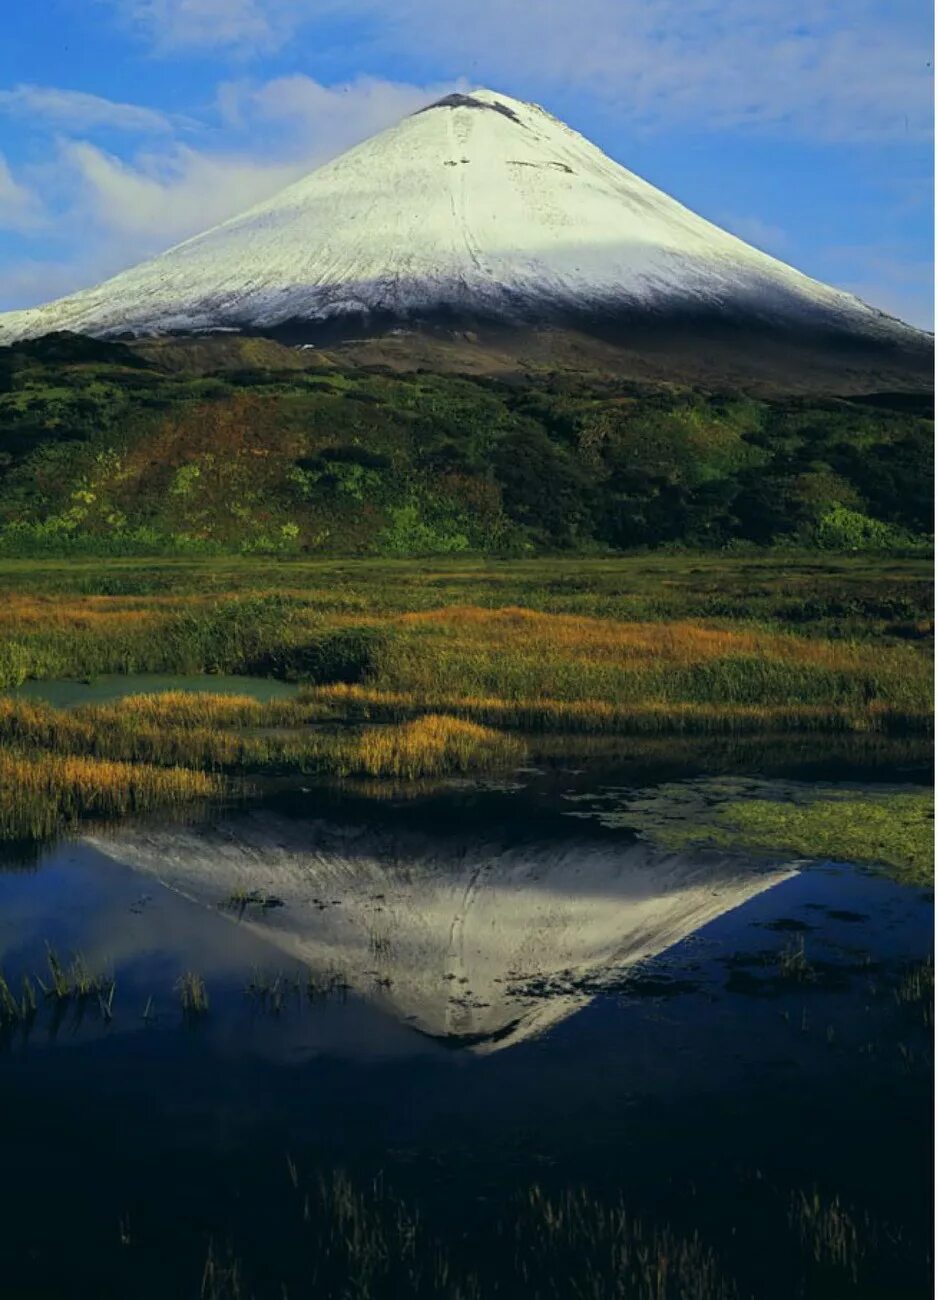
(445,684)
(39,794)
(188,709)
(110,732)
(508,667)
(224,731)
(601,716)
(431,746)
(514,628)
(174,728)
(143,734)
(24,613)
(614,671)
(679,643)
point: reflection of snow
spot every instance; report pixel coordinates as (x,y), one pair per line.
(453,937)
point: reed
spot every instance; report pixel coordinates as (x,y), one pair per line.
(432,745)
(145,729)
(545,650)
(915,991)
(221,1275)
(364,1240)
(73,980)
(450,659)
(16,1010)
(191,710)
(169,730)
(193,995)
(601,716)
(42,794)
(360,1238)
(829,1232)
(793,964)
(59,766)
(520,655)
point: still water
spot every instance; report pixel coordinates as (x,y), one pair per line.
(468,1041)
(66,692)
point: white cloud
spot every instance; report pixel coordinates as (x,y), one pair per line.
(111,213)
(828,69)
(320,120)
(77,111)
(159,199)
(21,209)
(161,196)
(248,24)
(107,212)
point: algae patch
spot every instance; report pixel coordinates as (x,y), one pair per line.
(890,829)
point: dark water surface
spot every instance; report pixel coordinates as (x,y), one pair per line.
(64,693)
(448,1036)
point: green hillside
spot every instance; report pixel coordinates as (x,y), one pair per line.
(106,449)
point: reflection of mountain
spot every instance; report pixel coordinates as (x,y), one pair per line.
(478,943)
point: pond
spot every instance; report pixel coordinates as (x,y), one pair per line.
(478,1039)
(64,693)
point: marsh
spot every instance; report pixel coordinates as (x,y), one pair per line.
(466,929)
(455,1040)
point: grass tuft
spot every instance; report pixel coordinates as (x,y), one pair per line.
(41,795)
(193,995)
(432,746)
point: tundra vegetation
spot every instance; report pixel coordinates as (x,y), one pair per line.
(165,521)
(407,670)
(554,1243)
(248,477)
(107,449)
(886,827)
(895,829)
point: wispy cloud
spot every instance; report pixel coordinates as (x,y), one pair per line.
(825,69)
(106,212)
(160,198)
(77,111)
(160,195)
(254,25)
(21,208)
(319,120)
(29,280)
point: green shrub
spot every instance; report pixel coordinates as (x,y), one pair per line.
(101,455)
(409,533)
(841,529)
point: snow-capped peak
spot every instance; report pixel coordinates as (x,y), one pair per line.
(478,203)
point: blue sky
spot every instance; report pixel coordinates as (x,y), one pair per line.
(805,126)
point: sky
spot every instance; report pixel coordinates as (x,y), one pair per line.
(803,126)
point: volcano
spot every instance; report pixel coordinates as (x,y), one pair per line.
(485,219)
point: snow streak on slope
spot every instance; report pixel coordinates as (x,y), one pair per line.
(480,944)
(479,203)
